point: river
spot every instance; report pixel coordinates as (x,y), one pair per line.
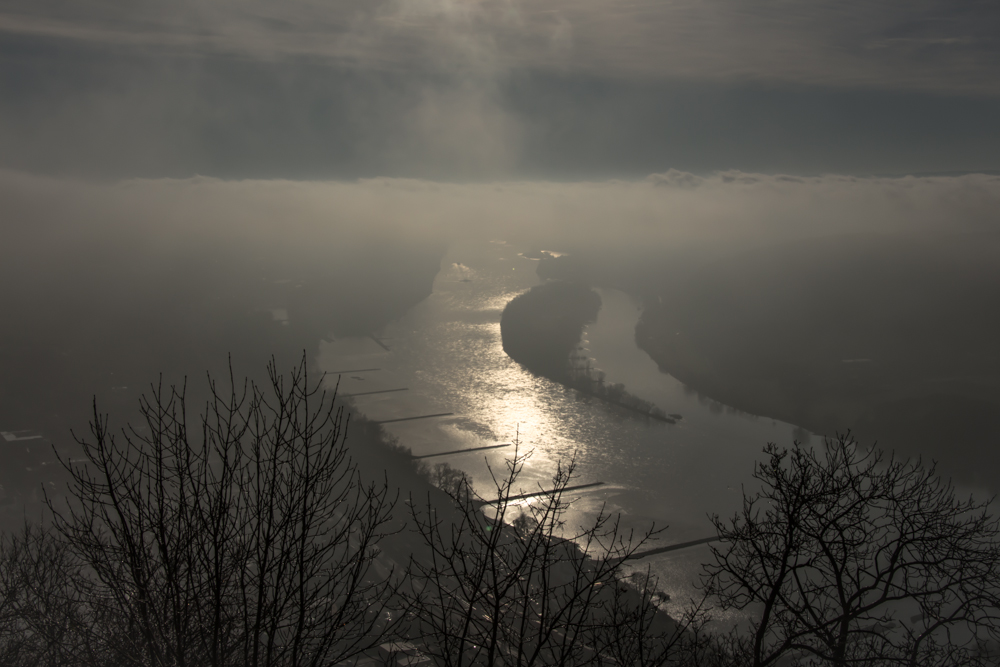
(447,354)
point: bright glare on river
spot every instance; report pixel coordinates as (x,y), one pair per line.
(447,353)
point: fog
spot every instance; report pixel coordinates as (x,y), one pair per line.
(142,276)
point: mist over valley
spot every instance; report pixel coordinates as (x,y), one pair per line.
(560,268)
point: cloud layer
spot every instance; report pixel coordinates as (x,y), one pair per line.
(930,45)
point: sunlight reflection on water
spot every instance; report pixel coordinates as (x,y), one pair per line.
(447,351)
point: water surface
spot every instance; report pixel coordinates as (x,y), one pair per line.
(447,353)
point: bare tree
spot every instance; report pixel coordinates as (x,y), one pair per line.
(43,621)
(442,475)
(507,587)
(249,541)
(847,557)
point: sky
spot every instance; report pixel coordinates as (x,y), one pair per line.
(484,90)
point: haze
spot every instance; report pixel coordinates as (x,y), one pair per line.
(183,181)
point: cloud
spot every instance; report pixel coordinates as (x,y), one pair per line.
(676,178)
(485,89)
(935,45)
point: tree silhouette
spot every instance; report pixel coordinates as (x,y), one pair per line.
(847,557)
(508,587)
(252,539)
(44,619)
(248,540)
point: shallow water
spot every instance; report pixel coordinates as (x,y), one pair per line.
(447,353)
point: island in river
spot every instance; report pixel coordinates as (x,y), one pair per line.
(542,328)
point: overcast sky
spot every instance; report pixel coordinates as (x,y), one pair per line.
(497,89)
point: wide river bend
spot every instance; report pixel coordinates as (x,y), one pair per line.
(447,353)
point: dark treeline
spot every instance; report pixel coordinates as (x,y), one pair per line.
(541,329)
(584,378)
